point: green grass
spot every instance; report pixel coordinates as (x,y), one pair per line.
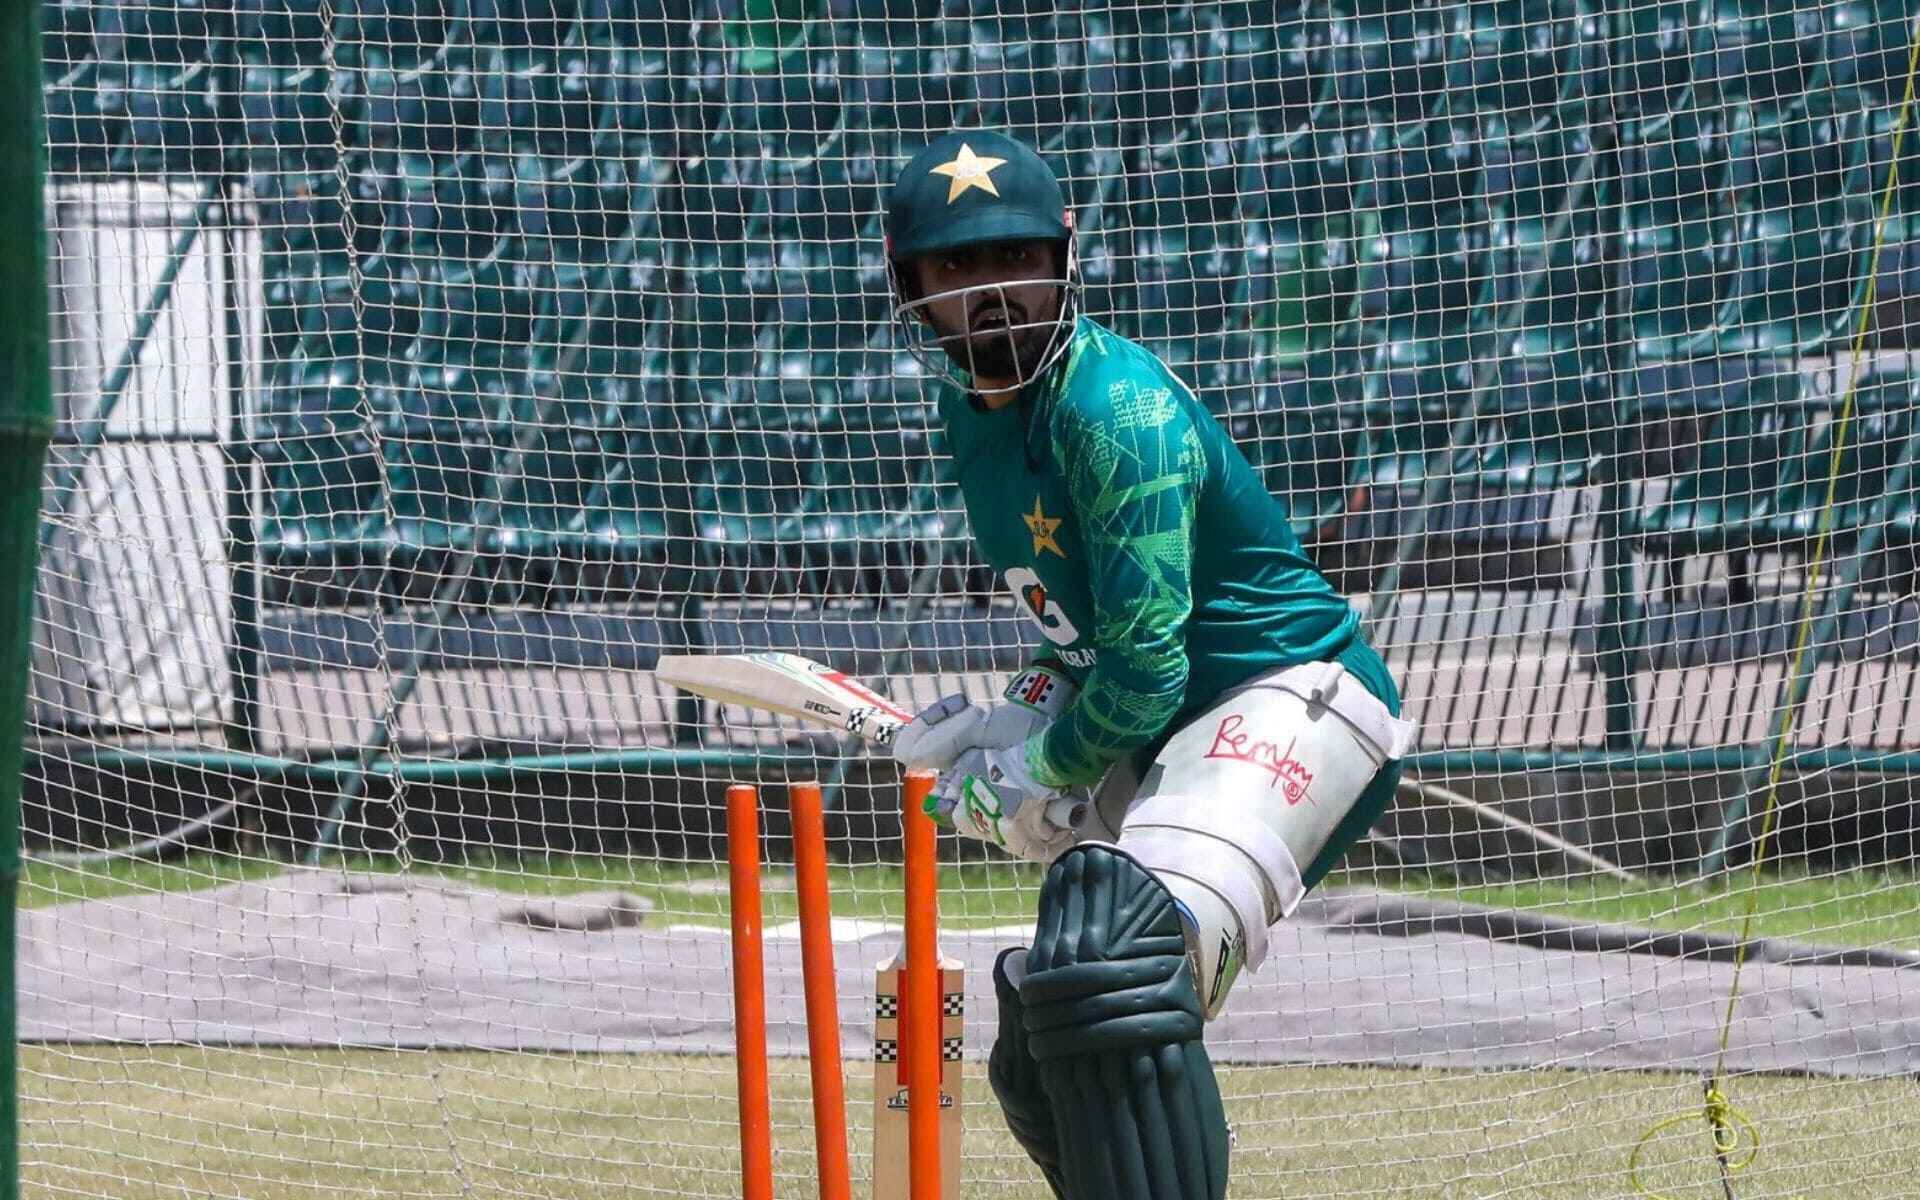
(302,1125)
(308,1125)
(1872,907)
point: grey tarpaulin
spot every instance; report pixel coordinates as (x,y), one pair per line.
(326,959)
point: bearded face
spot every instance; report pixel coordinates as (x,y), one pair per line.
(993,309)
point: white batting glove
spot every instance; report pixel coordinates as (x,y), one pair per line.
(939,734)
(989,794)
(952,725)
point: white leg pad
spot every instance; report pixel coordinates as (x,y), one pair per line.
(1242,862)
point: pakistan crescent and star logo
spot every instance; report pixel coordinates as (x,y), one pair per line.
(969,170)
(1041,526)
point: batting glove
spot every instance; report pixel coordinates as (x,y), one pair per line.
(936,738)
(991,795)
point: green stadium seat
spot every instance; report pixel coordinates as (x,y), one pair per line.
(637,84)
(1190,285)
(323,516)
(641,505)
(427,110)
(907,75)
(1802,215)
(1675,169)
(644,497)
(301,211)
(477,303)
(513,24)
(172,32)
(442,453)
(286,117)
(414,27)
(1302,287)
(78,116)
(1702,388)
(1865,67)
(1189,276)
(1420,276)
(1520,62)
(1266,71)
(1548,425)
(1656,57)
(1537,428)
(287,33)
(1399,447)
(310,301)
(153,117)
(1755,51)
(1867,48)
(1549,285)
(1880,433)
(758,510)
(1391,60)
(567,210)
(1297,199)
(1679,236)
(1722,493)
(1160,94)
(789,107)
(1028,76)
(1301,444)
(535,100)
(1106,275)
(1683,280)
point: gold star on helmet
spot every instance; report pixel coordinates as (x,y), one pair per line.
(1041,526)
(969,170)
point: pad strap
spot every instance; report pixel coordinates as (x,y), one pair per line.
(1213,846)
(1321,684)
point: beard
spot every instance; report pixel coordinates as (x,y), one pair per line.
(998,342)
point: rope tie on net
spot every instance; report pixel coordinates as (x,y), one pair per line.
(1728,1126)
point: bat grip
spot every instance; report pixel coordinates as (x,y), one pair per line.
(1067,811)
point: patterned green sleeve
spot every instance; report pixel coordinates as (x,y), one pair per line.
(1134,470)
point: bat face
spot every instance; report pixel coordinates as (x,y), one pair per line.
(790,684)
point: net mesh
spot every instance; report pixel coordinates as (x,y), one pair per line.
(426,369)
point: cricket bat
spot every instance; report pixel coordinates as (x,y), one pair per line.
(890,1181)
(797,687)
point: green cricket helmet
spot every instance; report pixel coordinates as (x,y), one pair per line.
(977,187)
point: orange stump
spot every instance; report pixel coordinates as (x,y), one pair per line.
(920,1005)
(749,994)
(823,1006)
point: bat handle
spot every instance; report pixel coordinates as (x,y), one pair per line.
(1067,812)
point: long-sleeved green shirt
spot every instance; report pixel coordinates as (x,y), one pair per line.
(1131,528)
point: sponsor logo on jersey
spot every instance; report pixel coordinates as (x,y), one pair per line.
(1079,658)
(1289,774)
(1034,596)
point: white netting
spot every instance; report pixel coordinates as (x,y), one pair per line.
(428,367)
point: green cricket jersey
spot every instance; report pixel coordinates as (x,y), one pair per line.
(1132,529)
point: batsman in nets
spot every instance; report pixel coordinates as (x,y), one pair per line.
(1197,676)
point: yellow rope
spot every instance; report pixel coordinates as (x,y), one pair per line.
(1725,1124)
(1725,1121)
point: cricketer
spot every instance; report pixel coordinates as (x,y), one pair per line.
(1198,677)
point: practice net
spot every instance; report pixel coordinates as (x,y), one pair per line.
(425,370)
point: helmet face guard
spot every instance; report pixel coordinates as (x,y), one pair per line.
(1018,352)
